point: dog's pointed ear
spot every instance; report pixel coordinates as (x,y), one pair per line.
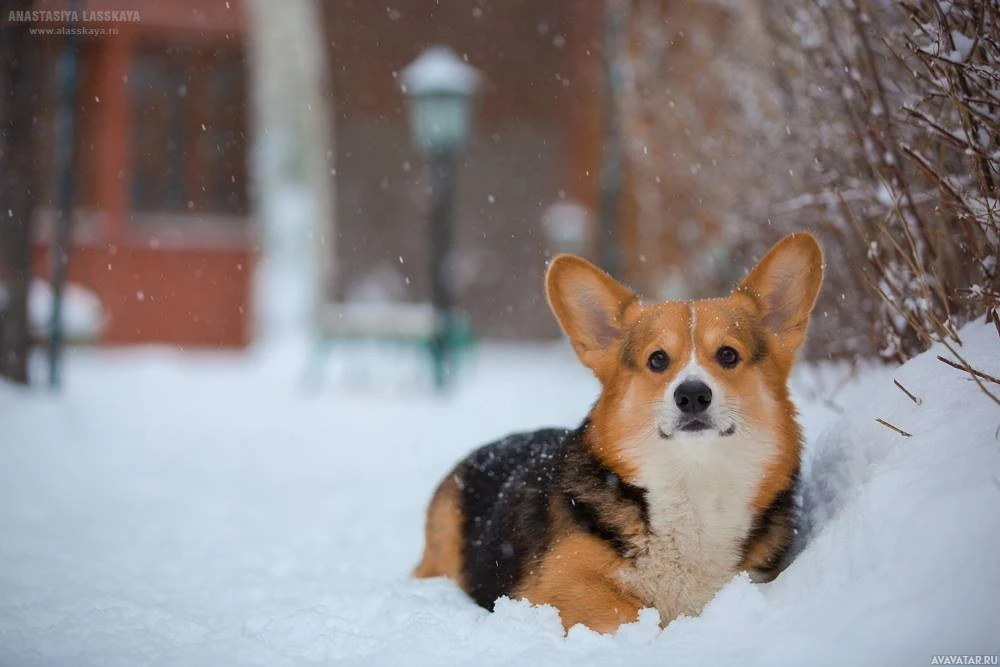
(591,307)
(785,284)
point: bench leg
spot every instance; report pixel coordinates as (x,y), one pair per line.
(439,361)
(314,375)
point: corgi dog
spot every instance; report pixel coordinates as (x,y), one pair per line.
(683,474)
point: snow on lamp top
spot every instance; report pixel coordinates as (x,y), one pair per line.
(439,87)
(439,70)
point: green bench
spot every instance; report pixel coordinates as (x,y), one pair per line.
(444,338)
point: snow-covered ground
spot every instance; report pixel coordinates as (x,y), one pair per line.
(189,509)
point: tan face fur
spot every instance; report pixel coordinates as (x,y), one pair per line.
(749,424)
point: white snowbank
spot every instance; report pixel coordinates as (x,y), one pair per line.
(83,315)
(199,510)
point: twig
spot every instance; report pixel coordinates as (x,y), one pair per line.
(968,369)
(894,428)
(915,399)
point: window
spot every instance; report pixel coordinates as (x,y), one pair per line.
(189,128)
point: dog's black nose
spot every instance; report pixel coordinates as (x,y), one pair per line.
(693,396)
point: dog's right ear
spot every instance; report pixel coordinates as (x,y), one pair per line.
(591,307)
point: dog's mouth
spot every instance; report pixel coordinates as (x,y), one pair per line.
(697,425)
(694,425)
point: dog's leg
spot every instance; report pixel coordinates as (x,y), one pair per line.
(443,534)
(577,577)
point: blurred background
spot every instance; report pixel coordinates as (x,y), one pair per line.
(219,173)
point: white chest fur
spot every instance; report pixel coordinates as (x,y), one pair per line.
(699,491)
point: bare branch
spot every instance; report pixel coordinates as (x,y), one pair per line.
(894,428)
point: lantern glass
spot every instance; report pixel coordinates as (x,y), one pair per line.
(439,88)
(440,120)
(567,225)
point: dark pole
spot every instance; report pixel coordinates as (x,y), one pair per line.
(61,244)
(609,254)
(442,165)
(18,110)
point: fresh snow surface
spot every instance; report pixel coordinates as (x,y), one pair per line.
(203,509)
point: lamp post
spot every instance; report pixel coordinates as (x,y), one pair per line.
(63,238)
(439,89)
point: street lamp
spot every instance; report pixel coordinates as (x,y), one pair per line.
(567,225)
(439,89)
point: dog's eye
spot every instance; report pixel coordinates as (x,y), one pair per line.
(657,361)
(727,356)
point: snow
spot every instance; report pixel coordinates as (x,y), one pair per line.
(373,318)
(963,47)
(82,315)
(439,70)
(202,509)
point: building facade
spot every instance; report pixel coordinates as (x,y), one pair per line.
(162,231)
(163,226)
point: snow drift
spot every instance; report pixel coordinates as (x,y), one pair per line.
(198,510)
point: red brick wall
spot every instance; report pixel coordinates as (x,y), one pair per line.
(198,297)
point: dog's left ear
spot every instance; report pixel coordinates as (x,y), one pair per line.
(785,283)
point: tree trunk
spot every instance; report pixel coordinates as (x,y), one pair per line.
(18,111)
(292,164)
